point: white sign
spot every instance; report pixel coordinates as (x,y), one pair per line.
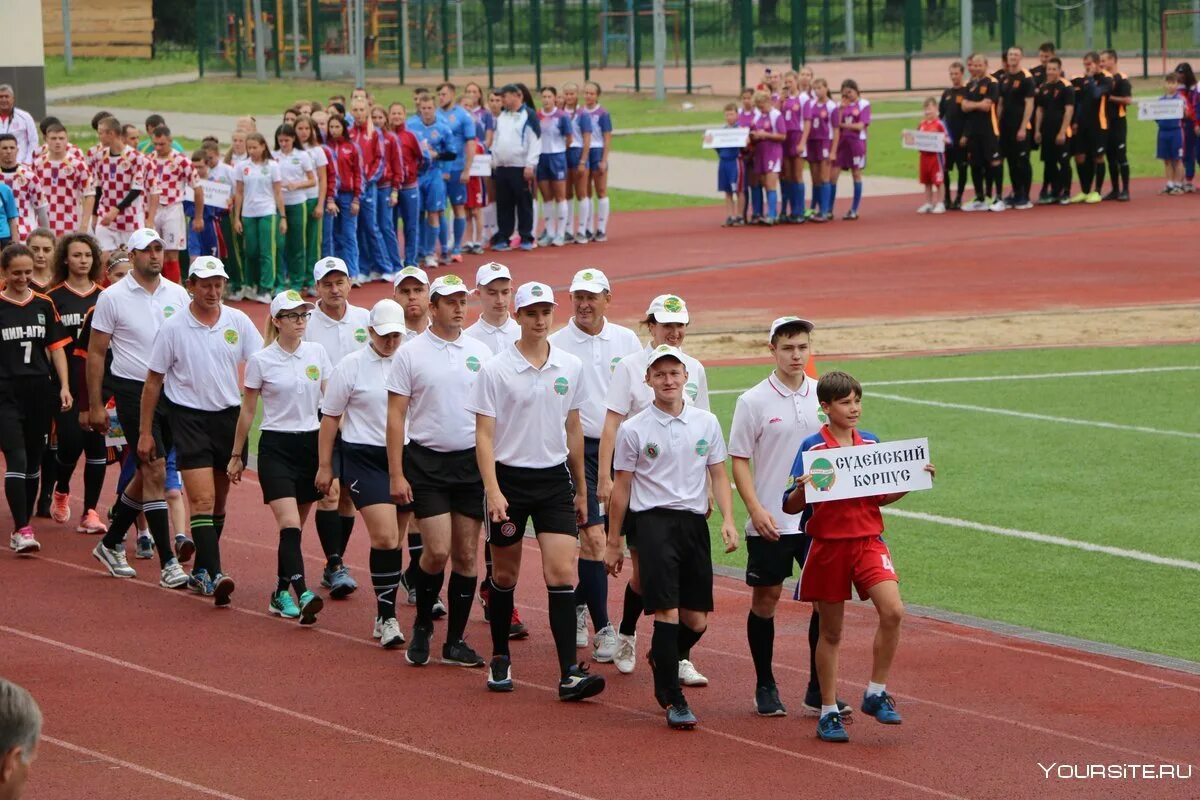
(1160,109)
(867,470)
(216,195)
(481,165)
(925,141)
(115,436)
(725,137)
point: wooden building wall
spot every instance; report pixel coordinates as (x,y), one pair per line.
(100,28)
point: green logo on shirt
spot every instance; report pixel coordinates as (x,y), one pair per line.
(312,372)
(168,312)
(823,476)
(613,366)
(473,364)
(360,335)
(702,447)
(652,451)
(231,336)
(692,390)
(561,385)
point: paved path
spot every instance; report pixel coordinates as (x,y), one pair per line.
(64,93)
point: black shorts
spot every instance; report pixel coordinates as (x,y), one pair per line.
(287,466)
(674,560)
(1011,147)
(443,483)
(546,496)
(365,475)
(1089,141)
(128,395)
(26,408)
(202,439)
(770,563)
(591,475)
(983,147)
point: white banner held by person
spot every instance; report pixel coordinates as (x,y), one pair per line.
(216,195)
(925,141)
(725,137)
(867,470)
(1149,110)
(481,165)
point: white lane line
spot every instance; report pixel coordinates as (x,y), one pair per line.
(1033,376)
(129,765)
(1044,538)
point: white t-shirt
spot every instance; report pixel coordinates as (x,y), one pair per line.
(530,405)
(132,317)
(628,392)
(669,457)
(258,192)
(356,392)
(200,364)
(600,355)
(495,338)
(294,168)
(339,337)
(319,162)
(438,375)
(770,422)
(290,385)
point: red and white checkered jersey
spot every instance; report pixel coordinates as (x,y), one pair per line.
(29,198)
(117,176)
(63,185)
(72,150)
(169,177)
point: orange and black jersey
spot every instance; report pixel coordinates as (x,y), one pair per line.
(950,110)
(980,122)
(1120,88)
(1091,100)
(72,308)
(1015,89)
(1054,99)
(1039,74)
(28,331)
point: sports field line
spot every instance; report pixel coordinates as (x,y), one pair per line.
(129,765)
(1033,376)
(1044,538)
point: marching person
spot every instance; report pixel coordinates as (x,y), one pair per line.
(667,457)
(289,374)
(529,447)
(170,176)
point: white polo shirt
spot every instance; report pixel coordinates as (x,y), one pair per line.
(628,392)
(770,422)
(294,168)
(530,405)
(132,316)
(258,187)
(669,457)
(200,364)
(600,355)
(290,385)
(319,162)
(438,376)
(495,338)
(356,392)
(339,337)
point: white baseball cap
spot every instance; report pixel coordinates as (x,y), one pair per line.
(328,265)
(143,238)
(531,293)
(668,308)
(286,301)
(387,317)
(447,285)
(803,324)
(490,272)
(665,351)
(590,280)
(206,267)
(411,272)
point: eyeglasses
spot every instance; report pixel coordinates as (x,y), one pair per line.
(298,317)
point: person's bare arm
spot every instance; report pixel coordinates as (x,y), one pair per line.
(151,393)
(97,354)
(718,483)
(485,457)
(245,420)
(760,517)
(614,556)
(397,418)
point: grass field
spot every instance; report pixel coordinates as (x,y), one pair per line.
(102,70)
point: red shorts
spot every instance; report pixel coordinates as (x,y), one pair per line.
(932,171)
(834,564)
(476,194)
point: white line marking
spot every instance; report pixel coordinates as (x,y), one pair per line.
(153,773)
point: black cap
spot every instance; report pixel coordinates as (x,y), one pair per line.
(510,87)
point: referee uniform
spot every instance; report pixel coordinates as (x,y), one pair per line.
(496,337)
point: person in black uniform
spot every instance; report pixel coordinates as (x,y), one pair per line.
(1055,102)
(1016,129)
(981,134)
(1090,127)
(1119,98)
(951,113)
(1045,53)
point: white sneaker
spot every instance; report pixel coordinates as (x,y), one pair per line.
(924,208)
(998,206)
(431,262)
(390,636)
(581,630)
(264,298)
(559,241)
(688,676)
(626,656)
(940,208)
(23,542)
(114,561)
(172,577)
(975,205)
(248,293)
(605,644)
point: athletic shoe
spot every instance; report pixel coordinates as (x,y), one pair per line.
(680,717)
(144,547)
(581,238)
(581,628)
(1093,198)
(60,507)
(1113,195)
(374,276)
(185,548)
(526,246)
(499,674)
(455,258)
(1123,196)
(356,282)
(739,222)
(340,583)
(1064,201)
(417,653)
(925,208)
(387,277)
(882,707)
(431,262)
(516,628)
(390,636)
(728,223)
(809,213)
(997,206)
(544,240)
(460,654)
(767,702)
(767,222)
(940,208)
(812,704)
(172,576)
(443,260)
(91,523)
(501,247)
(199,583)
(600,236)
(689,676)
(282,605)
(247,292)
(310,605)
(850,215)
(830,729)
(1046,200)
(558,241)
(626,656)
(1079,198)
(975,205)
(223,587)
(23,542)
(439,609)
(1188,188)
(113,560)
(1177,190)
(579,685)
(604,644)
(264,298)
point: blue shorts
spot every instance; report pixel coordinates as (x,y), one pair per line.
(365,474)
(574,156)
(729,175)
(456,190)
(433,194)
(595,156)
(591,475)
(1170,145)
(552,167)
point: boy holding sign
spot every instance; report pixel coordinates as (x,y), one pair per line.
(847,548)
(933,165)
(1171,138)
(730,176)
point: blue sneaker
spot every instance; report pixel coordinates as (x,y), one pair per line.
(282,605)
(499,674)
(199,583)
(527,246)
(882,707)
(829,728)
(340,583)
(145,546)
(223,587)
(501,247)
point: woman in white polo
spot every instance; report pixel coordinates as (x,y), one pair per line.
(195,363)
(289,375)
(527,432)
(356,401)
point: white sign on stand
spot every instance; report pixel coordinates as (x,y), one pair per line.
(867,470)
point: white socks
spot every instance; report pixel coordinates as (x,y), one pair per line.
(548,211)
(602,215)
(829,710)
(585,214)
(875,688)
(563,213)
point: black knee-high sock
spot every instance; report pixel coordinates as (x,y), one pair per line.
(962,182)
(1086,170)
(347,529)
(814,633)
(385,577)
(1124,169)
(329,531)
(977,171)
(995,180)
(687,640)
(14,487)
(219,526)
(631,609)
(93,481)
(124,515)
(664,649)
(291,562)
(593,586)
(760,633)
(562,624)
(428,585)
(462,593)
(158,518)
(207,554)
(415,547)
(500,616)
(1114,170)
(946,191)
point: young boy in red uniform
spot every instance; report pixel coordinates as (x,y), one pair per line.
(847,547)
(933,165)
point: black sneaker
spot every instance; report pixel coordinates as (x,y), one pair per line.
(460,654)
(680,717)
(579,685)
(1113,195)
(767,702)
(1123,197)
(500,674)
(417,653)
(812,704)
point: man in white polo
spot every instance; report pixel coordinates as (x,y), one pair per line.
(19,123)
(495,327)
